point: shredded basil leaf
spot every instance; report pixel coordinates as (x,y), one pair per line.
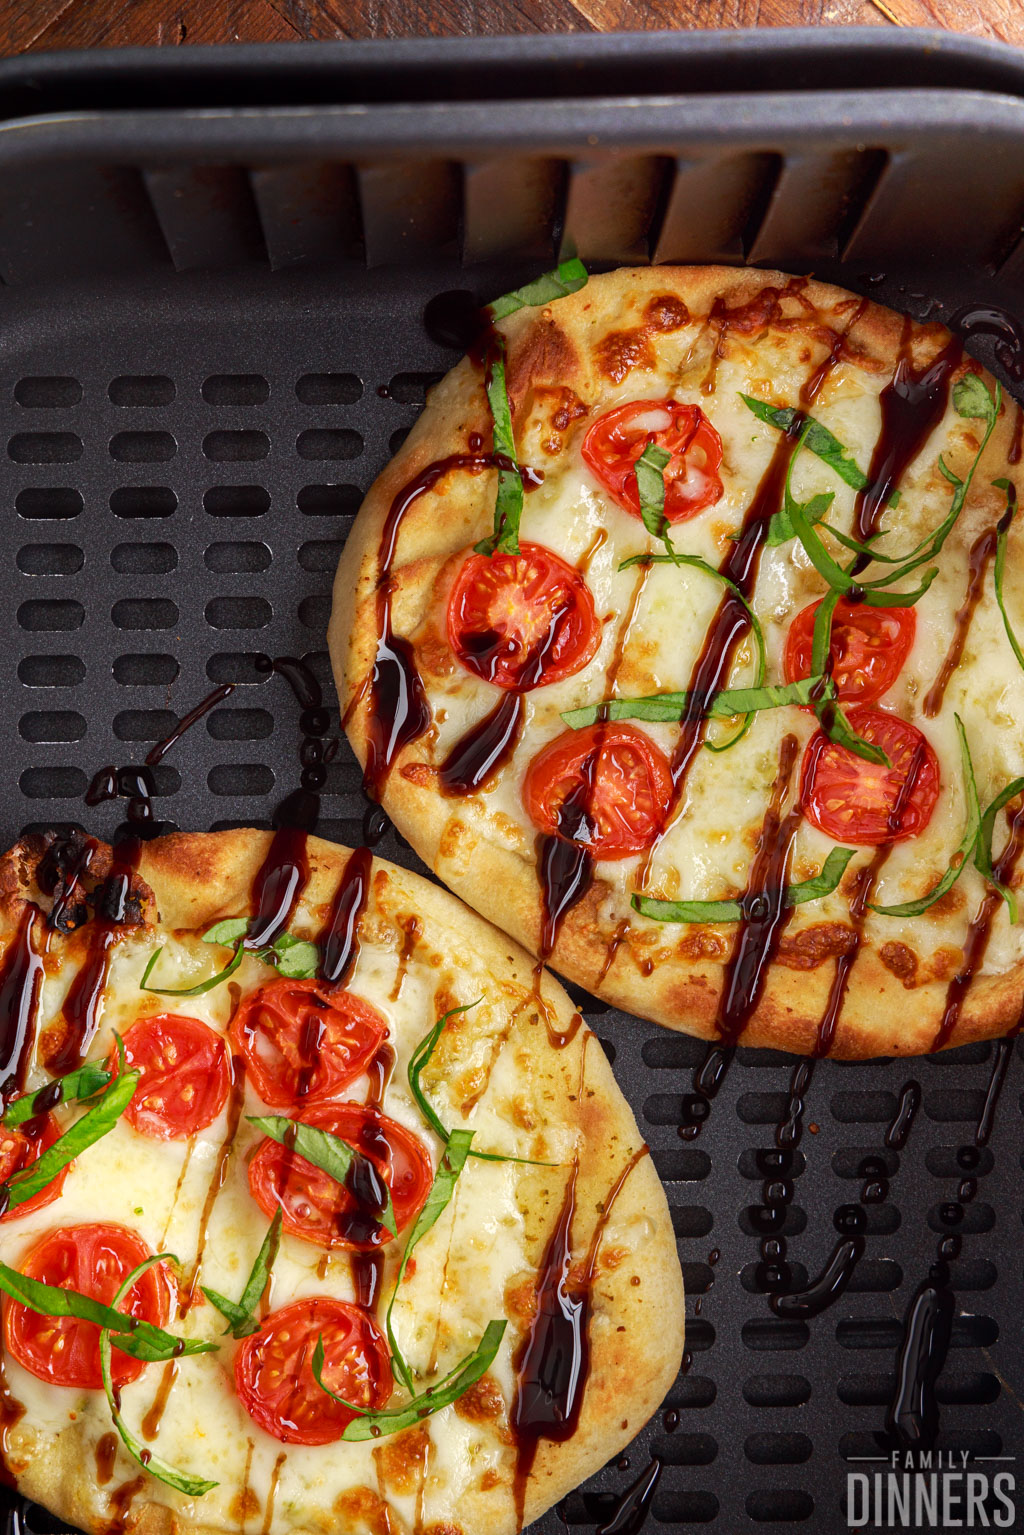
(958,862)
(697,563)
(194,1486)
(240,1314)
(326,1151)
(650,487)
(95,1123)
(200,986)
(1002,534)
(453,1160)
(508,505)
(822,884)
(83,1083)
(295,958)
(143,1340)
(818,440)
(568,277)
(418,1064)
(983,850)
(972,399)
(391,1420)
(780,524)
(669,708)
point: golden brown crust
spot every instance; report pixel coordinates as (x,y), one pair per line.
(567,1098)
(592,346)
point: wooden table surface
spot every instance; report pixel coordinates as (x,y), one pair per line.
(35,24)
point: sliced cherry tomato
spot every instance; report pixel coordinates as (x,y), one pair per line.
(869,647)
(303,1041)
(617,439)
(608,786)
(184,1080)
(866,803)
(274,1370)
(320,1210)
(95,1260)
(522,621)
(18,1150)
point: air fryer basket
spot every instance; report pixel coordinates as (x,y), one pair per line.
(212,340)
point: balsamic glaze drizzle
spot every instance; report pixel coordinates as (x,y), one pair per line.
(850,1221)
(912,1419)
(21,976)
(982,553)
(339,940)
(630,1513)
(553,1362)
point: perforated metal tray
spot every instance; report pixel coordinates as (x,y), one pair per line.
(212,340)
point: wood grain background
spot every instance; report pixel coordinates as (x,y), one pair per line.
(35,24)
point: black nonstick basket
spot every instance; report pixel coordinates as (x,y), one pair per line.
(215,270)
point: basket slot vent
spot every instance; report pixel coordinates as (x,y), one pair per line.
(692,1507)
(816,201)
(769,1335)
(846,1163)
(309,213)
(236,447)
(52,725)
(329,500)
(237,666)
(145,670)
(686,1449)
(336,388)
(46,504)
(145,390)
(321,555)
(320,444)
(715,206)
(903,213)
(144,559)
(611,206)
(795,1221)
(207,215)
(776,1390)
(941,1160)
(45,448)
(53,783)
(771,1505)
(50,559)
(236,501)
(778,1449)
(51,671)
(697,1277)
(48,393)
(979,1389)
(315,613)
(676,1165)
(143,501)
(235,389)
(410,210)
(693,1391)
(144,613)
(241,778)
(240,724)
(512,206)
(234,559)
(238,612)
(51,616)
(977,1217)
(749,1169)
(59,221)
(143,447)
(144,724)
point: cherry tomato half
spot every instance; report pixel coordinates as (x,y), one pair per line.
(608,786)
(869,647)
(184,1081)
(274,1370)
(18,1150)
(304,1041)
(617,439)
(865,803)
(320,1210)
(522,621)
(95,1260)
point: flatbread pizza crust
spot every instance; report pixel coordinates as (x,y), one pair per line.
(701,335)
(520,1068)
